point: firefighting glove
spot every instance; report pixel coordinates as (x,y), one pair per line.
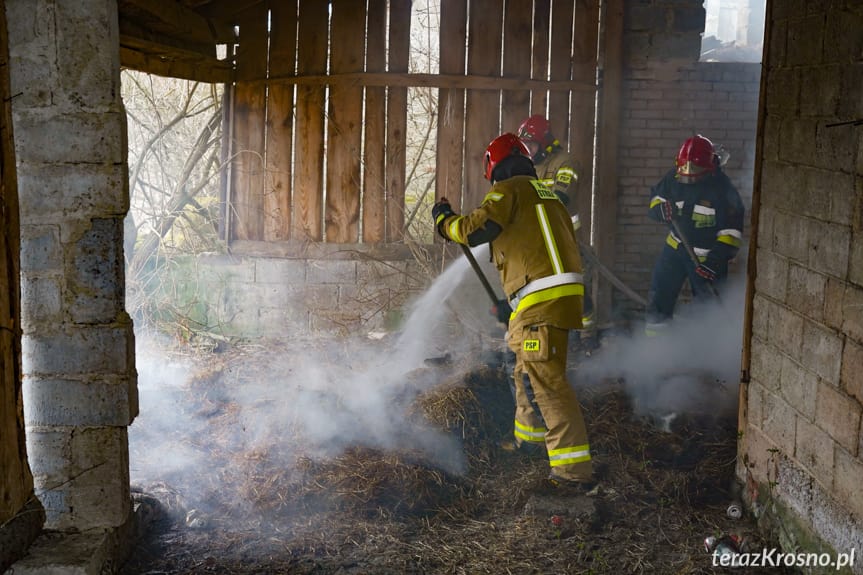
(441,211)
(502,310)
(666,211)
(706,272)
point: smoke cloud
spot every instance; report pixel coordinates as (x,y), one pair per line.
(316,396)
(692,368)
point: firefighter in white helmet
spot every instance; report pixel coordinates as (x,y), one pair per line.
(534,247)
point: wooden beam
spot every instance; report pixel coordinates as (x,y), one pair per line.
(608,136)
(472,81)
(173,18)
(224,10)
(483,107)
(280,122)
(560,68)
(539,71)
(196,69)
(582,126)
(247,201)
(517,47)
(374,160)
(344,125)
(450,136)
(309,164)
(134,34)
(397,103)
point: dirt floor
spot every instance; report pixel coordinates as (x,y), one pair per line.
(366,508)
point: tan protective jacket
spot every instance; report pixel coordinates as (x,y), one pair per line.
(557,171)
(537,241)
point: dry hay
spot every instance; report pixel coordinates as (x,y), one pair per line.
(385,512)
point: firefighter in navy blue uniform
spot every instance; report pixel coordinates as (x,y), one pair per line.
(706,208)
(535,250)
(556,169)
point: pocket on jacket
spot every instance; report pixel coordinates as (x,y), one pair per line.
(534,345)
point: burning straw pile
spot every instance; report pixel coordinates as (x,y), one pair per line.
(368,482)
(397,509)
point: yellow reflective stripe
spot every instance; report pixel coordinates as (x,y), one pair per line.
(730,240)
(547,294)
(528,433)
(548,236)
(656,200)
(672,241)
(569,455)
(492,197)
(566,175)
(730,236)
(453,230)
(730,232)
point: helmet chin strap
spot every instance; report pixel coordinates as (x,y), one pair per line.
(541,155)
(544,152)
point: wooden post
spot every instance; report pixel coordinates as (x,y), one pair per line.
(560,68)
(309,161)
(582,126)
(517,39)
(609,129)
(374,183)
(247,201)
(280,120)
(541,15)
(450,135)
(397,103)
(344,126)
(483,106)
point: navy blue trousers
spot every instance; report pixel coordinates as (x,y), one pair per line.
(672,268)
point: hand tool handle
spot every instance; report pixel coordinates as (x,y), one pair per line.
(692,255)
(483,280)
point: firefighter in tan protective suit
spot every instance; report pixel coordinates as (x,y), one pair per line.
(534,247)
(556,168)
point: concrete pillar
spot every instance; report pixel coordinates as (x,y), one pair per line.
(80,382)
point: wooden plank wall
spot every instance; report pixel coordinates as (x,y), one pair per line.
(320,107)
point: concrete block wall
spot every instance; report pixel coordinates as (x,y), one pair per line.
(801,449)
(339,291)
(79,370)
(667,97)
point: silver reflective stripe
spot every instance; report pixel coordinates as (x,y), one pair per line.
(569,455)
(545,283)
(730,232)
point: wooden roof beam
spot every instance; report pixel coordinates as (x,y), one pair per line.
(173,19)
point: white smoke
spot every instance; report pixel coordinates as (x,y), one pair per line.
(318,396)
(692,368)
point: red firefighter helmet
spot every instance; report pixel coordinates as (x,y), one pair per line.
(696,159)
(502,147)
(536,129)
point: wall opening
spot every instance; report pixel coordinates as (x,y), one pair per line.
(733,31)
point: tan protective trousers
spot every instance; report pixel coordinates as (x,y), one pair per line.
(547,410)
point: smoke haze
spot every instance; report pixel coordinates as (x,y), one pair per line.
(316,396)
